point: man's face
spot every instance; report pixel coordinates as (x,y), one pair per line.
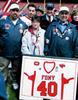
(49,12)
(63,15)
(14,13)
(32,11)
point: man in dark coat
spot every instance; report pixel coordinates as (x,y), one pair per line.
(48,17)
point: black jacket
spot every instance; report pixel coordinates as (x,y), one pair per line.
(45,23)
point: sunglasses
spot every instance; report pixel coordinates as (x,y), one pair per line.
(17,10)
(66,13)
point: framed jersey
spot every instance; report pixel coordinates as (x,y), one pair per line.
(50,78)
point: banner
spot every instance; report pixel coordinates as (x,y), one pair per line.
(50,78)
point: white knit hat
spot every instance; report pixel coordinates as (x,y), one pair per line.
(64,8)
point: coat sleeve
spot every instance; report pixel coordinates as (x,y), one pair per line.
(25,48)
(2,30)
(47,40)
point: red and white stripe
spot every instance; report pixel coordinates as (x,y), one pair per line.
(7,4)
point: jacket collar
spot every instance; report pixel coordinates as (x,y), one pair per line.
(9,20)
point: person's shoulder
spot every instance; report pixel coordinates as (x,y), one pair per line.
(26,33)
(2,21)
(21,21)
(54,22)
(43,16)
(55,19)
(40,28)
(72,25)
(6,20)
(43,31)
(73,28)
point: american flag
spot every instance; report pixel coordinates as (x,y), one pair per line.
(7,5)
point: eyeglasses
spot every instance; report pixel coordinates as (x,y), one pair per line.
(66,13)
(17,10)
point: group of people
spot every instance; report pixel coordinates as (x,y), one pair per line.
(35,33)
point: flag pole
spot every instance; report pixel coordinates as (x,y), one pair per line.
(24,7)
(44,5)
(60,4)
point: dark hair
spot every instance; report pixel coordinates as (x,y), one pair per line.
(31,5)
(39,8)
(74,12)
(35,17)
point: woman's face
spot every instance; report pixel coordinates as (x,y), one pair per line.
(75,17)
(35,24)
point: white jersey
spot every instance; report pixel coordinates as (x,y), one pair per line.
(26,20)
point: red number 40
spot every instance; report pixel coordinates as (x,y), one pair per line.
(51,90)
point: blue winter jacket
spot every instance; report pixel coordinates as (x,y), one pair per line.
(61,40)
(12,36)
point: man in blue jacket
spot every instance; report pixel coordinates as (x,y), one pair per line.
(61,38)
(12,30)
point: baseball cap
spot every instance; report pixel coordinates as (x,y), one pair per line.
(39,8)
(14,6)
(64,8)
(49,6)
